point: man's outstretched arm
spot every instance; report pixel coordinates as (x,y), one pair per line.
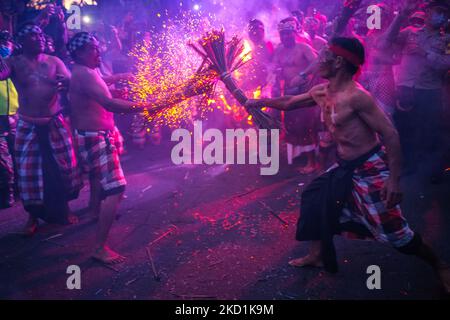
(96,92)
(288,103)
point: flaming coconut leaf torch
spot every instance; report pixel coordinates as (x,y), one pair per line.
(223,59)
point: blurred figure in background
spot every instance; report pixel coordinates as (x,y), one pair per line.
(48,176)
(9,103)
(52,22)
(291,59)
(312,27)
(257,71)
(377,76)
(49,45)
(420,79)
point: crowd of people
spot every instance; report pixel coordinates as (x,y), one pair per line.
(406,70)
(59,92)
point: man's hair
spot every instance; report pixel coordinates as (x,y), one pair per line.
(355,47)
(255,23)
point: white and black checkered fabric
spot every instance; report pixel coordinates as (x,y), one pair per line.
(29,29)
(79,40)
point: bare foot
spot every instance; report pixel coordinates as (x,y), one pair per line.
(72,219)
(444,275)
(307,170)
(30,228)
(108,256)
(308,261)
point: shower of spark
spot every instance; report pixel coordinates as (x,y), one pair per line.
(163,65)
(166,63)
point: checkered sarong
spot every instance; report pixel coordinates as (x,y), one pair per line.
(367,208)
(6,174)
(346,200)
(29,159)
(98,152)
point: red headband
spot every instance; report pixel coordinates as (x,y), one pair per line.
(347,55)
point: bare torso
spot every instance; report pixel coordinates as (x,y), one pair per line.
(351,133)
(36,84)
(86,113)
(318,43)
(292,61)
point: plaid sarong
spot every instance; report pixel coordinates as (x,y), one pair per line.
(366,207)
(98,152)
(6,174)
(347,200)
(28,155)
(29,159)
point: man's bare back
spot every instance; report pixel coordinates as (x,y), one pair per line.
(86,112)
(344,119)
(36,81)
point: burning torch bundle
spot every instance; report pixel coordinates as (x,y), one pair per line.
(223,59)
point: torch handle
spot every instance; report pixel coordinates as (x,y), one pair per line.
(261,119)
(237,93)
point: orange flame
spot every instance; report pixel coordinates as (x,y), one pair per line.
(246,54)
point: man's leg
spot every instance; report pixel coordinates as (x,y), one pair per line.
(417,247)
(6,175)
(106,218)
(405,122)
(312,259)
(31,226)
(290,153)
(310,163)
(95,201)
(34,211)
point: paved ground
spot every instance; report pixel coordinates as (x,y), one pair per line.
(227,241)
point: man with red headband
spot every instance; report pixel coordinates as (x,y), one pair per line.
(360,195)
(424,64)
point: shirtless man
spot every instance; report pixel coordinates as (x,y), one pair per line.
(45,158)
(9,103)
(312,26)
(290,59)
(262,52)
(97,140)
(360,194)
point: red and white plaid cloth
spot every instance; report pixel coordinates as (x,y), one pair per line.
(29,159)
(98,152)
(367,208)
